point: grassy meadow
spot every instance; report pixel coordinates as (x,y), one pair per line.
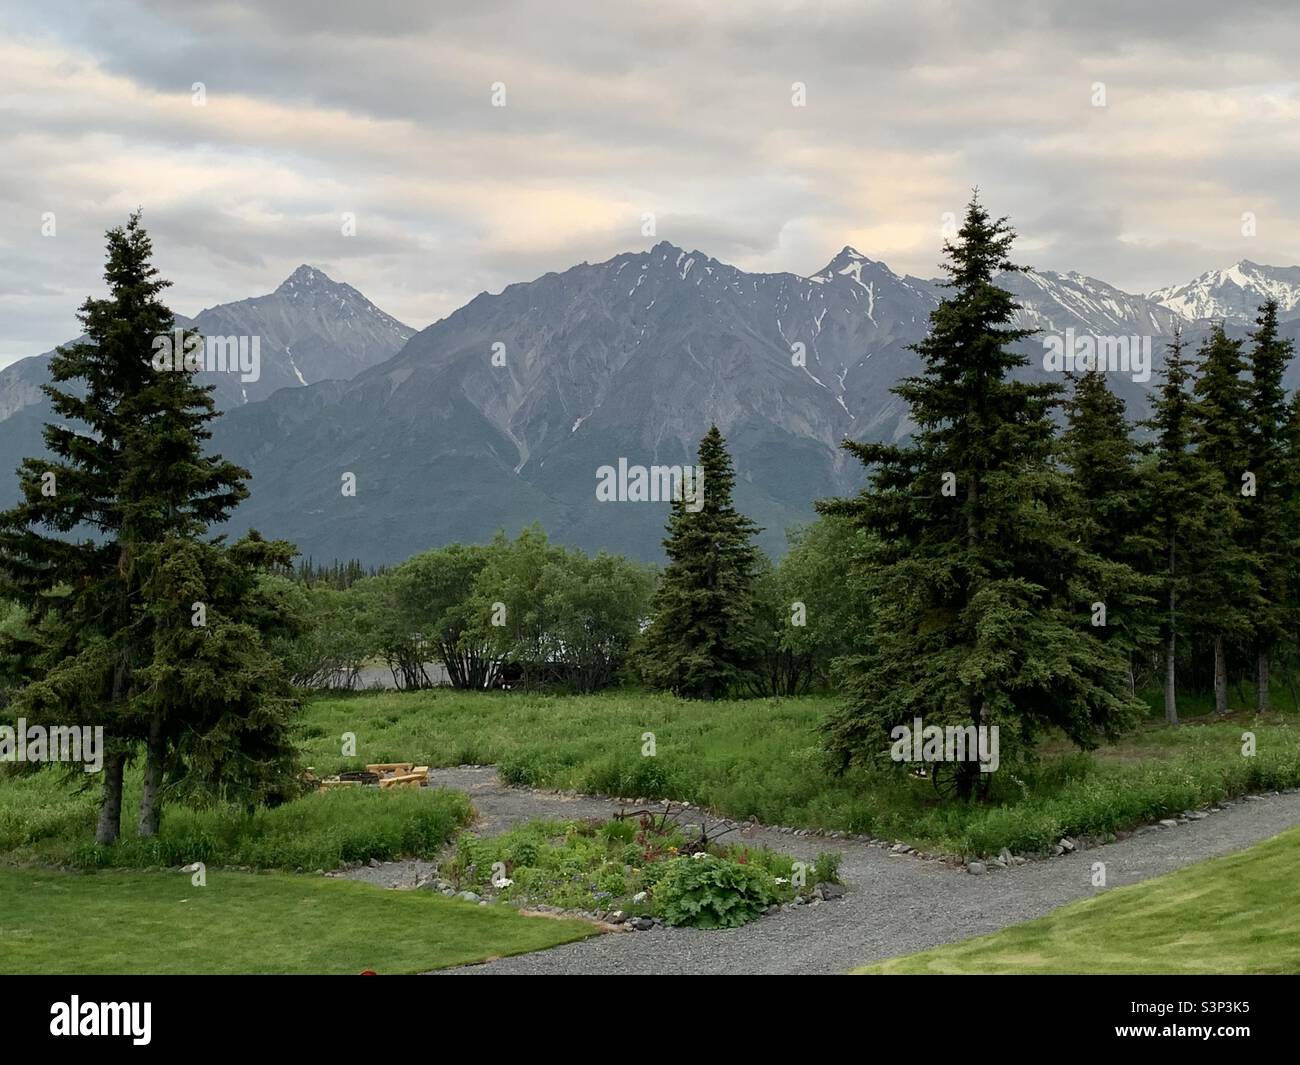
(761,758)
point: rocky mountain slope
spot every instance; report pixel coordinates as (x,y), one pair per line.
(502,413)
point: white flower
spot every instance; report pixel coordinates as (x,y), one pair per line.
(505,881)
(783,880)
(700,854)
(640,896)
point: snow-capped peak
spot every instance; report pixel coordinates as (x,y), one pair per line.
(849,263)
(1234,292)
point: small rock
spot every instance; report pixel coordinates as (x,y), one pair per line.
(1067,844)
(448,891)
(1168,822)
(616,917)
(1058,850)
(1006,855)
(830,891)
(468,896)
(975,868)
(1195,815)
(374,863)
(643,924)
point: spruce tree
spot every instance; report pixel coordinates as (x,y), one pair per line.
(1220,433)
(1270,511)
(982,600)
(1107,513)
(125,471)
(222,702)
(703,635)
(1185,503)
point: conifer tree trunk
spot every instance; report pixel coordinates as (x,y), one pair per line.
(109,826)
(1262,698)
(1220,677)
(110,803)
(150,806)
(1171,703)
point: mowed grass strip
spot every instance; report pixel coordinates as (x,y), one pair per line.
(762,758)
(1239,914)
(272,923)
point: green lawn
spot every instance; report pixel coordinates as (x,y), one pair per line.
(128,923)
(1234,915)
(761,757)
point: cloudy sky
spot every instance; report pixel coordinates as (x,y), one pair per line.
(312,109)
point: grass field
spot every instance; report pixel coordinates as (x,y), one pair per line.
(761,758)
(745,758)
(271,923)
(44,820)
(1237,914)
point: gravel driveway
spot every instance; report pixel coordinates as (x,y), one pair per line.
(895,904)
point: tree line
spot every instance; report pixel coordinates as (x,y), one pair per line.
(1030,559)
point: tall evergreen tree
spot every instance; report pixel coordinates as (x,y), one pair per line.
(1182,492)
(1107,513)
(703,635)
(1270,513)
(1220,432)
(221,702)
(982,599)
(125,471)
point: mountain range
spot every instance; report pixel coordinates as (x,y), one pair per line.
(501,413)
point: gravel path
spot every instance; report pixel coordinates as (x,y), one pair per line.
(895,904)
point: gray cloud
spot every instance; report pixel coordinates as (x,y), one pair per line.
(678,108)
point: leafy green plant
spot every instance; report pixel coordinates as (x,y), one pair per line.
(704,891)
(826,868)
(618,830)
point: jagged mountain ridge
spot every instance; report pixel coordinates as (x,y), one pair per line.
(630,358)
(501,413)
(310,329)
(1235,293)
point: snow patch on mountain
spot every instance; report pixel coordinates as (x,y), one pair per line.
(1234,293)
